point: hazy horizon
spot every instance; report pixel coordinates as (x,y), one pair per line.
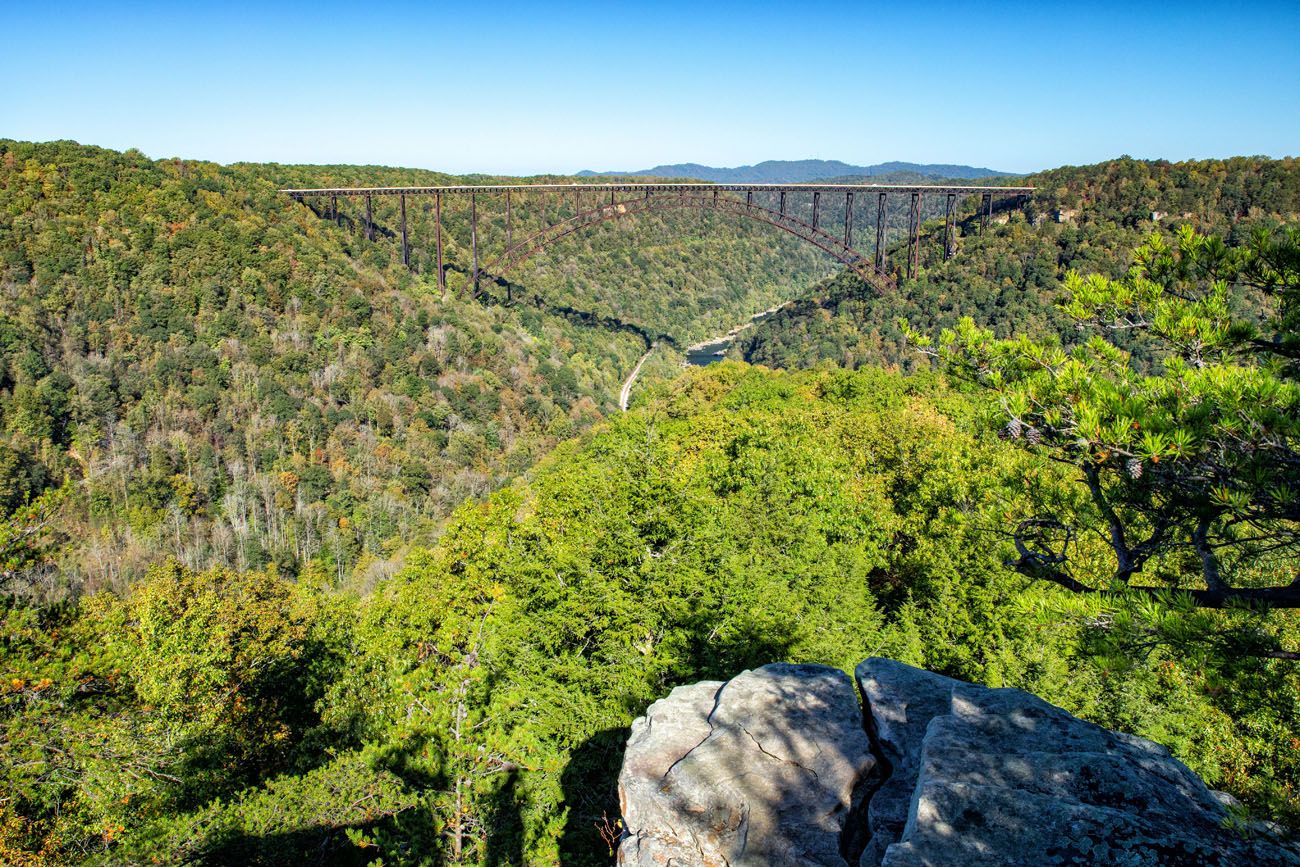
(601,171)
(523,90)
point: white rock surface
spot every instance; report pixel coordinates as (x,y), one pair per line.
(759,770)
(774,767)
(1001,777)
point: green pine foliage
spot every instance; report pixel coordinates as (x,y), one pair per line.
(1192,461)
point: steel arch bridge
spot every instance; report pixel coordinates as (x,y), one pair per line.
(775,206)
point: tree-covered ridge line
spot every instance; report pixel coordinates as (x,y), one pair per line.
(230,379)
(803,171)
(1088,218)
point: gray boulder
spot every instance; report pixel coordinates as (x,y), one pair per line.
(759,770)
(1001,777)
(776,767)
(899,701)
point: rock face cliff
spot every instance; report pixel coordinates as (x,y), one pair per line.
(779,766)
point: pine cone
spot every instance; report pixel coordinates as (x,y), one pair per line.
(1133,467)
(1033,437)
(1012,430)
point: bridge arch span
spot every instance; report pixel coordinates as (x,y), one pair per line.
(648,197)
(522,251)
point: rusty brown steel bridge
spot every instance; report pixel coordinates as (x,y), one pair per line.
(599,202)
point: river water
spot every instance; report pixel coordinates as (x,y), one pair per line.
(715,349)
(701,354)
(708,353)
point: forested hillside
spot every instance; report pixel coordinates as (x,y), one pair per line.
(1009,279)
(225,378)
(685,274)
(303,561)
(472,709)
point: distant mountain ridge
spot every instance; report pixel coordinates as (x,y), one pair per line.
(798,171)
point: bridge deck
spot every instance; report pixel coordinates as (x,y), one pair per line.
(655,188)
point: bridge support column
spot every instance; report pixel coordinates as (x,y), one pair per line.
(370,223)
(783,203)
(334,209)
(749,198)
(509,227)
(987,209)
(817,206)
(848,219)
(914,237)
(406,250)
(577,204)
(473,240)
(611,198)
(437,243)
(880,233)
(947,226)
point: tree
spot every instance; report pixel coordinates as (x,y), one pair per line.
(27,535)
(1196,457)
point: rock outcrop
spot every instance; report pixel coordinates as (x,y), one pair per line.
(779,766)
(758,770)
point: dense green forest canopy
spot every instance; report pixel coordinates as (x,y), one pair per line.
(483,692)
(304,561)
(230,380)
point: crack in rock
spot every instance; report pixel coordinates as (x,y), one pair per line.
(712,801)
(929,771)
(766,752)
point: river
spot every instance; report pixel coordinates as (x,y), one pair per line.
(699,354)
(715,348)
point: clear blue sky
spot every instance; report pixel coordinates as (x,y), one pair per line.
(528,88)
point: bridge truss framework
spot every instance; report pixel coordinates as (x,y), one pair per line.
(599,202)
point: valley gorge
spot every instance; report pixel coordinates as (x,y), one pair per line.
(306,560)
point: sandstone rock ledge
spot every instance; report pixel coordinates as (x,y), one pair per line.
(778,766)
